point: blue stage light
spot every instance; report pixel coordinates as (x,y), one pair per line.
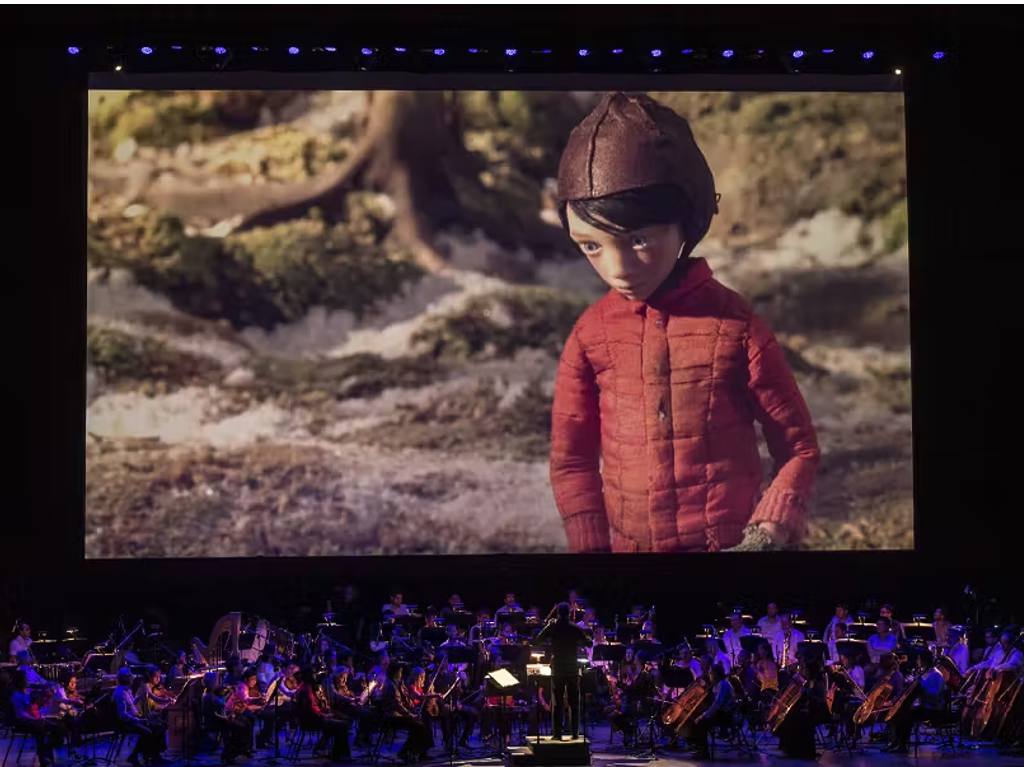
(798,54)
(545,50)
(399,50)
(828,50)
(474,50)
(220,50)
(867,55)
(437,51)
(728,53)
(511,51)
(616,51)
(293,50)
(583,52)
(330,48)
(74,50)
(939,55)
(656,52)
(145,50)
(176,48)
(366,51)
(687,51)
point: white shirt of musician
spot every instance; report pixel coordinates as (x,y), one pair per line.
(830,629)
(18,644)
(857,675)
(961,656)
(770,628)
(733,645)
(877,646)
(786,654)
(1010,661)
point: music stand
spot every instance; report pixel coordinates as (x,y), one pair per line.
(812,650)
(514,654)
(502,681)
(271,694)
(749,642)
(854,649)
(537,673)
(609,652)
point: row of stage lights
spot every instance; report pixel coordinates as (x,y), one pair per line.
(797,56)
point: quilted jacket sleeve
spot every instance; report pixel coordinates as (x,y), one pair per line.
(575,451)
(786,422)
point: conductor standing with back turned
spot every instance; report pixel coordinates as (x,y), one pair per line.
(565,638)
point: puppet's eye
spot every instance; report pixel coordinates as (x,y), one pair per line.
(589,247)
(640,241)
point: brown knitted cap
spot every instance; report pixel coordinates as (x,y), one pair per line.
(628,141)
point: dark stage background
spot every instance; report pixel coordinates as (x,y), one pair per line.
(967,270)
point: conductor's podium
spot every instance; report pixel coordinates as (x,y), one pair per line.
(547,751)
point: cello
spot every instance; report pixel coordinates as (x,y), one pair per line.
(785,703)
(691,702)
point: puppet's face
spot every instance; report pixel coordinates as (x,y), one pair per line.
(633,263)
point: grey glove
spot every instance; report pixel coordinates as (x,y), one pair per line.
(755,539)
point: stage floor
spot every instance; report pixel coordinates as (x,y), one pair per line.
(603,755)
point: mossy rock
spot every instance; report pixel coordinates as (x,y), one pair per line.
(277,153)
(501,323)
(168,118)
(355,375)
(472,422)
(123,358)
(264,276)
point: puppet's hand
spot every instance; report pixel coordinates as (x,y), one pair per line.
(756,538)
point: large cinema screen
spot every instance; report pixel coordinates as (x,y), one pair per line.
(333,323)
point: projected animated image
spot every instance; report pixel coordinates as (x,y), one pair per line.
(390,322)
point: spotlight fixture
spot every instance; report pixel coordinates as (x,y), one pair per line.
(867,55)
(656,52)
(220,50)
(471,50)
(74,50)
(511,51)
(687,51)
(293,50)
(145,50)
(399,49)
(118,67)
(437,51)
(583,52)
(368,51)
(728,53)
(616,51)
(939,55)
(330,49)
(899,71)
(828,51)
(798,54)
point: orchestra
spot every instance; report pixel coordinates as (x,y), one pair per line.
(421,672)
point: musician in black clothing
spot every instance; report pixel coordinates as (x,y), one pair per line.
(565,637)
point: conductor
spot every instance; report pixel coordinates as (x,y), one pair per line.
(565,637)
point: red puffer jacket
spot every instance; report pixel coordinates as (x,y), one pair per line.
(653,446)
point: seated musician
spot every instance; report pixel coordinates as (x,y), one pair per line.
(731,637)
(715,656)
(636,689)
(395,607)
(26,666)
(508,607)
(179,670)
(456,712)
(889,671)
(982,654)
(770,624)
(941,626)
(266,667)
(1006,657)
(392,702)
(849,661)
(454,637)
(197,653)
(26,705)
(131,719)
(313,715)
(720,712)
(767,671)
(211,705)
(453,608)
(842,618)
(747,674)
(151,696)
(69,706)
(417,693)
(879,643)
(588,620)
(796,734)
(786,642)
(958,651)
(930,704)
(20,642)
(888,611)
(257,707)
(237,722)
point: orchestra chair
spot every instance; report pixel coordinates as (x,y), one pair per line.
(303,734)
(22,735)
(731,735)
